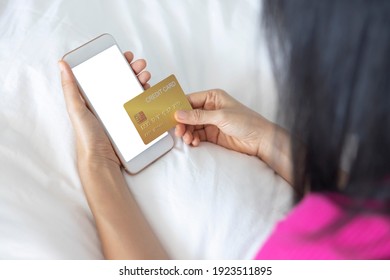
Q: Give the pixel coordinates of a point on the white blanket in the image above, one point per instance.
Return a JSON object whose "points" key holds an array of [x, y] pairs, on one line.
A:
{"points": [[203, 203]]}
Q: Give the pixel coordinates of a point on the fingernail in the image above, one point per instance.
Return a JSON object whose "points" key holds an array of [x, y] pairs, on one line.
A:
{"points": [[61, 65], [181, 115]]}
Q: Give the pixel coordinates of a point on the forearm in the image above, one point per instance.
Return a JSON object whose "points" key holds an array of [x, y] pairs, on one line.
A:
{"points": [[275, 151], [122, 228]]}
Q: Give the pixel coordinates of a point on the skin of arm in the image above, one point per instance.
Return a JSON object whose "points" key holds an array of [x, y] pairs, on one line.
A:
{"points": [[122, 228]]}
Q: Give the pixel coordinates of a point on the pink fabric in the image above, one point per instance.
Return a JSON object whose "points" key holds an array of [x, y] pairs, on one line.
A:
{"points": [[302, 235]]}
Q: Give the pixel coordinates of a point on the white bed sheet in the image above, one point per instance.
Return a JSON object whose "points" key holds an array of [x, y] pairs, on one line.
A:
{"points": [[205, 202]]}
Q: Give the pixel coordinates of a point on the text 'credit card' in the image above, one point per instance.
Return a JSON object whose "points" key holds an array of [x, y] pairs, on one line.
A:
{"points": [[152, 112]]}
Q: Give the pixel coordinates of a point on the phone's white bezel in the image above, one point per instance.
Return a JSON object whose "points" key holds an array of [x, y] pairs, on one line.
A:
{"points": [[89, 50]]}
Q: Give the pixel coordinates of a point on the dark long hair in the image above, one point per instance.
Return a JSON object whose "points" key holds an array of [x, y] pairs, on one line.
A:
{"points": [[332, 62]]}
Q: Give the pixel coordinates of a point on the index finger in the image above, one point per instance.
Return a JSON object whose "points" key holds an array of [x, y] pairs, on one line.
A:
{"points": [[129, 56]]}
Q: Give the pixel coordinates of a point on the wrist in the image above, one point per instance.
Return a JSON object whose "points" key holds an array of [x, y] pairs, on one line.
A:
{"points": [[96, 164], [97, 175], [265, 144], [275, 150]]}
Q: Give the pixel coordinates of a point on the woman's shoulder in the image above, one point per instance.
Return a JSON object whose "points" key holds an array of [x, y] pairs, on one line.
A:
{"points": [[325, 226]]}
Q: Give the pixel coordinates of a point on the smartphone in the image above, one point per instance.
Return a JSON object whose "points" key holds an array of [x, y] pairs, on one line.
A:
{"points": [[106, 82]]}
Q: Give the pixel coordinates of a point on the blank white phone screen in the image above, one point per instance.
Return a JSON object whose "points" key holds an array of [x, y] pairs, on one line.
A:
{"points": [[108, 82]]}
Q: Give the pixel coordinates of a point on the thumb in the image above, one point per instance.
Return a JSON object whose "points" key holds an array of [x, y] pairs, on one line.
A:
{"points": [[197, 117], [73, 99]]}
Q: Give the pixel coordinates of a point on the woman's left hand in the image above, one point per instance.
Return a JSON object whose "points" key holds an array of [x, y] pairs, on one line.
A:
{"points": [[93, 145]]}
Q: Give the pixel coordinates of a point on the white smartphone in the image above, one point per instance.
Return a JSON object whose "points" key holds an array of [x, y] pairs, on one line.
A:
{"points": [[106, 82]]}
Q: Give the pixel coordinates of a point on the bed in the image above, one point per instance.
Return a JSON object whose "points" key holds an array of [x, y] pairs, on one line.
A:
{"points": [[203, 203]]}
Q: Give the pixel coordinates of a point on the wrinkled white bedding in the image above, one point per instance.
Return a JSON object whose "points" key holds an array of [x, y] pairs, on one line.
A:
{"points": [[205, 202]]}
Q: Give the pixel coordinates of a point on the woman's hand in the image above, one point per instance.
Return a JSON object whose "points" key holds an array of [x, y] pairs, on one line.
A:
{"points": [[93, 144], [123, 230], [220, 119]]}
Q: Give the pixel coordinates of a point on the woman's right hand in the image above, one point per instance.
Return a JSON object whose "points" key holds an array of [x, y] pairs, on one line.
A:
{"points": [[220, 119]]}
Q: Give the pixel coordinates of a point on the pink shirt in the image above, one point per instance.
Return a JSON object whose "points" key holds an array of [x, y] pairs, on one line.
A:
{"points": [[302, 234]]}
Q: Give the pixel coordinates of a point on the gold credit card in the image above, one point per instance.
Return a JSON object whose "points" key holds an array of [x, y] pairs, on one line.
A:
{"points": [[152, 112]]}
